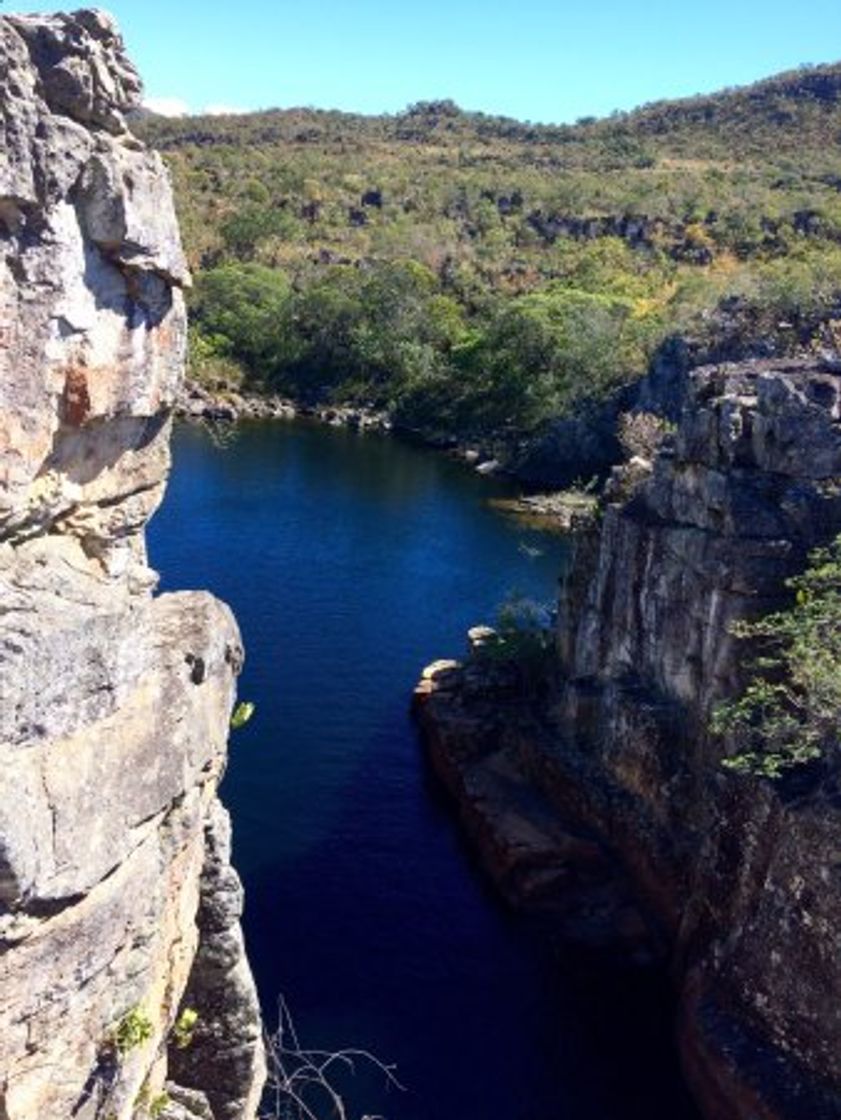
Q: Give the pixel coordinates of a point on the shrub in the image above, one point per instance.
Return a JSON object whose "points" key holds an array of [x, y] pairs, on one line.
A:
{"points": [[132, 1031], [641, 433], [524, 639], [184, 1028], [241, 715], [790, 711]]}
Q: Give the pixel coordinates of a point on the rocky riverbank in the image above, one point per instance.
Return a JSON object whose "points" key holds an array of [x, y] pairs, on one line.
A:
{"points": [[610, 762], [198, 402], [477, 719], [227, 405], [559, 511]]}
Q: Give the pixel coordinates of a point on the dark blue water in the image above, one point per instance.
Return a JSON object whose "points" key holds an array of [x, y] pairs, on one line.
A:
{"points": [[351, 561]]}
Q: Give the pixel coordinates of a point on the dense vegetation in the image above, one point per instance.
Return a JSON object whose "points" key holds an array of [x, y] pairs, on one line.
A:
{"points": [[476, 273], [789, 712]]}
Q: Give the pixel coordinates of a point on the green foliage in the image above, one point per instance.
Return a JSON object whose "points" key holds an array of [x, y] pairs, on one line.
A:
{"points": [[790, 711], [208, 360], [185, 1026], [522, 639], [158, 1104], [545, 350], [242, 714], [241, 312], [244, 229], [152, 1106], [476, 274], [132, 1031], [392, 336]]}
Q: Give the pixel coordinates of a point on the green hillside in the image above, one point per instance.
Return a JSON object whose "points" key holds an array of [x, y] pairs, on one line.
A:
{"points": [[477, 273]]}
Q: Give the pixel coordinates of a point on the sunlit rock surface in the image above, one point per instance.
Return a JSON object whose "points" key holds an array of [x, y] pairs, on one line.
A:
{"points": [[115, 704]]}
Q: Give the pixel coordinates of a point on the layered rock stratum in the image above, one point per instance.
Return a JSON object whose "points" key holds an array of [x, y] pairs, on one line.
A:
{"points": [[118, 905], [600, 793]]}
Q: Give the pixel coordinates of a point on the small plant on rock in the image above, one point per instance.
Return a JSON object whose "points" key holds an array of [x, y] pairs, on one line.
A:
{"points": [[133, 1030], [152, 1106], [158, 1105], [184, 1028], [242, 714], [641, 433], [522, 638]]}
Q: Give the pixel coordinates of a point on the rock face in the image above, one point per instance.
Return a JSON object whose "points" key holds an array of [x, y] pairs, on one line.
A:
{"points": [[115, 704], [736, 879]]}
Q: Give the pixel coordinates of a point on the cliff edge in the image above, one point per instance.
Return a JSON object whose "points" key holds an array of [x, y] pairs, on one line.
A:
{"points": [[118, 905], [600, 793]]}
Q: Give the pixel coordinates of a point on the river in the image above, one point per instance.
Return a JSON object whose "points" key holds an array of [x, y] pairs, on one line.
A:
{"points": [[351, 561]]}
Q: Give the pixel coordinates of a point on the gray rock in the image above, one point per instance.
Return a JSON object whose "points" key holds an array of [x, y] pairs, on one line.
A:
{"points": [[581, 444], [185, 1104], [115, 704], [735, 878], [225, 1059], [81, 66]]}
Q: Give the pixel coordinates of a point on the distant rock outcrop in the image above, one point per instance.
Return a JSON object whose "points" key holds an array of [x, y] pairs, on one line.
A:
{"points": [[619, 787], [115, 703]]}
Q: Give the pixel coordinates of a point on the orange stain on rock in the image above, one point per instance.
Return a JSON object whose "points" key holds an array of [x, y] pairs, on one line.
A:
{"points": [[75, 400]]}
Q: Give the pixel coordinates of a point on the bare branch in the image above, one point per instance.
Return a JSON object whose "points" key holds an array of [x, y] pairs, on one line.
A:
{"points": [[296, 1075]]}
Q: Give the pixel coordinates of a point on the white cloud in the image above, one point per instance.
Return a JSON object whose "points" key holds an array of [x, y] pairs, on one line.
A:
{"points": [[220, 110], [167, 106]]}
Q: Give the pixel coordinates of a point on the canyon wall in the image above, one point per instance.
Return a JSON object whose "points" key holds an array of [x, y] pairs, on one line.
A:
{"points": [[598, 792], [118, 905]]}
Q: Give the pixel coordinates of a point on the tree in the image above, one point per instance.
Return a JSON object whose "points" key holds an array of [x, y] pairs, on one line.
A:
{"points": [[242, 309], [245, 228], [543, 351]]}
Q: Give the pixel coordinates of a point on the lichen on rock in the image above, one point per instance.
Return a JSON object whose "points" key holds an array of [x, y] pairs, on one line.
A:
{"points": [[111, 744]]}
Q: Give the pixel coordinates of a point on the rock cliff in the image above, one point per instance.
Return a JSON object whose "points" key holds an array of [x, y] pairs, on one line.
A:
{"points": [[116, 894], [601, 793]]}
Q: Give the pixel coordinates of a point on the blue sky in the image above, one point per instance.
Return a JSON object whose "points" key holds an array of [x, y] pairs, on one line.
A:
{"points": [[533, 59]]}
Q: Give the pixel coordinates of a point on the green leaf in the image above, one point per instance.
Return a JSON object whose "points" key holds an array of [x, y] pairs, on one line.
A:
{"points": [[242, 714]]}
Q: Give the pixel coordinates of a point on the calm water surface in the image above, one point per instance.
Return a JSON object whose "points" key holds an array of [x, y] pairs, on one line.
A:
{"points": [[351, 561]]}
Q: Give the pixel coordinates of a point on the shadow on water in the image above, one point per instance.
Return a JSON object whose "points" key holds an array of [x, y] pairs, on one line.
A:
{"points": [[350, 562]]}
